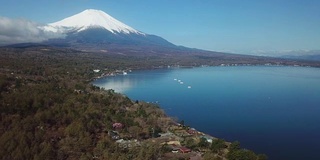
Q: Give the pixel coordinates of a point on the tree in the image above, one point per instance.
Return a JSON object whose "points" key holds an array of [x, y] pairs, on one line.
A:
{"points": [[182, 122], [236, 153], [190, 142], [74, 129], [234, 146], [262, 157], [134, 131], [148, 151], [211, 156], [203, 143], [46, 151], [242, 154], [217, 145]]}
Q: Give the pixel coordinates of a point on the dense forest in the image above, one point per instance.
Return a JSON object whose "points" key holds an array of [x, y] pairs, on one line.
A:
{"points": [[49, 110]]}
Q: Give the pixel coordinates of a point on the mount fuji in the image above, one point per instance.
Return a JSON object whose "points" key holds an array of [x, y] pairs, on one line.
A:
{"points": [[91, 18], [96, 30]]}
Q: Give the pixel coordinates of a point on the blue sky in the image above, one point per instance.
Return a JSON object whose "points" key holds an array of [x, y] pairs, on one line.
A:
{"points": [[238, 26]]}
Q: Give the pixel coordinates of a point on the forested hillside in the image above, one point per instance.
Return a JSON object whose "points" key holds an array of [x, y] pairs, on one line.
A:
{"points": [[49, 110]]}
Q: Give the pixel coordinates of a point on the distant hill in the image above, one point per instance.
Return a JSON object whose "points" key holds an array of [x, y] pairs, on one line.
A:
{"points": [[314, 57], [26, 45]]}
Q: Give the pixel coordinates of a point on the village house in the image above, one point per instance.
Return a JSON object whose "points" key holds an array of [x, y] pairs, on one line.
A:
{"points": [[117, 125], [184, 150]]}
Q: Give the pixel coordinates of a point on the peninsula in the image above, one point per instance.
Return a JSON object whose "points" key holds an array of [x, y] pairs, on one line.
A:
{"points": [[49, 110]]}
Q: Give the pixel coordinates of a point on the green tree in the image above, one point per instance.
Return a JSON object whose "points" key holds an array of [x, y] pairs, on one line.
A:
{"points": [[262, 157], [134, 131], [234, 146], [217, 145], [242, 154], [182, 122], [203, 143], [211, 156], [46, 151], [190, 142]]}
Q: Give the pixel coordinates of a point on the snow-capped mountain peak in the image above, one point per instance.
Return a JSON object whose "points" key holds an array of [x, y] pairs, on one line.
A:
{"points": [[90, 18]]}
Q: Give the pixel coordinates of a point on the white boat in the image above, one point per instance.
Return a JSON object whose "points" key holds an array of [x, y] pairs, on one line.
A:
{"points": [[189, 86]]}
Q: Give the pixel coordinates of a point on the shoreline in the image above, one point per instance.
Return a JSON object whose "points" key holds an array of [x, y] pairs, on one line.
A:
{"points": [[264, 66]]}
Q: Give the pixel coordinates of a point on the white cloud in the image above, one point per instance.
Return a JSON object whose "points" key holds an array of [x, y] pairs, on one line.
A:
{"points": [[21, 30]]}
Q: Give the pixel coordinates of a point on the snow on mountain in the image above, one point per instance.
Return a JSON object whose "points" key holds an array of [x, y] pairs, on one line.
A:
{"points": [[90, 18], [96, 29]]}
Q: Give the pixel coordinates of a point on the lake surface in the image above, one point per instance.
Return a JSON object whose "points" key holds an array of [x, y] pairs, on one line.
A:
{"points": [[271, 110]]}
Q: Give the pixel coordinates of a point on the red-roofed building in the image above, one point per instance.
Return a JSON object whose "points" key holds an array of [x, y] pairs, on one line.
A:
{"points": [[184, 150], [117, 125]]}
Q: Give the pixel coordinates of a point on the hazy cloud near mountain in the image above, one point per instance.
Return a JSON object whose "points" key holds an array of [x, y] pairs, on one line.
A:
{"points": [[21, 30]]}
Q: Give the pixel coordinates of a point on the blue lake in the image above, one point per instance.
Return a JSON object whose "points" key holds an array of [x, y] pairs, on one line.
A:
{"points": [[271, 110]]}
